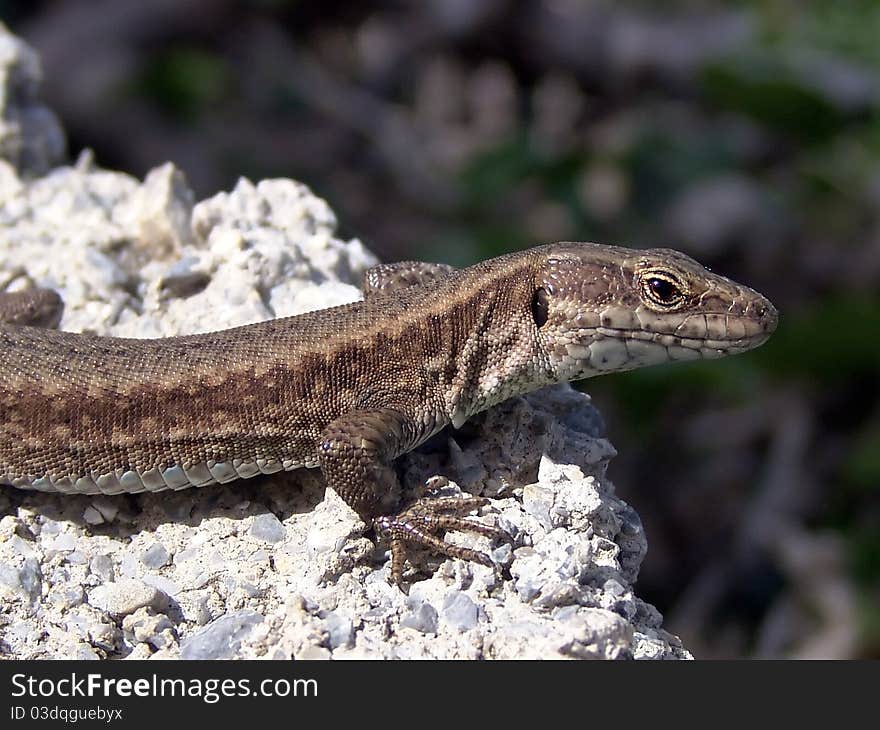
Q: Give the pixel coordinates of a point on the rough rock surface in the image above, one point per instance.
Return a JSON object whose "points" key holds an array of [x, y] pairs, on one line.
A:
{"points": [[276, 567]]}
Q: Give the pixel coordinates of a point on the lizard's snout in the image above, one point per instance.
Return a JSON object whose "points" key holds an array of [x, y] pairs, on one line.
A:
{"points": [[767, 314]]}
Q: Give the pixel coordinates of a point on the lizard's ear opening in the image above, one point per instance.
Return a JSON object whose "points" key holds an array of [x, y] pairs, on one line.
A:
{"points": [[540, 306]]}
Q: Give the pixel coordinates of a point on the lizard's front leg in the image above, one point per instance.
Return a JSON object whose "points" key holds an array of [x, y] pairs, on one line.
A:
{"points": [[356, 455], [33, 307]]}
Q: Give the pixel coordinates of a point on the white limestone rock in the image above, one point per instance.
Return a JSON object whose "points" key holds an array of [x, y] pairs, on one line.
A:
{"points": [[31, 138]]}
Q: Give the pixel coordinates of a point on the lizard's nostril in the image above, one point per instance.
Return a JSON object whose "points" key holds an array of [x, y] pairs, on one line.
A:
{"points": [[767, 314]]}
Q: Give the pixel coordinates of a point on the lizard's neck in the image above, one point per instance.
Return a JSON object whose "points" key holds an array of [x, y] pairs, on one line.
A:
{"points": [[496, 353]]}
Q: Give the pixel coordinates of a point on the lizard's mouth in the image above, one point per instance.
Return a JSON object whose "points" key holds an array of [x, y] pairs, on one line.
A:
{"points": [[707, 347], [722, 333], [609, 349]]}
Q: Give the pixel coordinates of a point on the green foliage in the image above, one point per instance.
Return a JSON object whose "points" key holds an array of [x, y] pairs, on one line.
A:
{"points": [[865, 558], [831, 341], [643, 395], [767, 90], [870, 623], [492, 173], [849, 27], [185, 82], [862, 467], [660, 164], [490, 182]]}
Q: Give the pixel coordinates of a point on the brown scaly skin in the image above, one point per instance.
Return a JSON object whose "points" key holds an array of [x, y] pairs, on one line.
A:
{"points": [[351, 388]]}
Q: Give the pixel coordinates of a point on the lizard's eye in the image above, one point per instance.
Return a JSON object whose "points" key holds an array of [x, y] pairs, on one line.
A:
{"points": [[540, 306], [662, 289]]}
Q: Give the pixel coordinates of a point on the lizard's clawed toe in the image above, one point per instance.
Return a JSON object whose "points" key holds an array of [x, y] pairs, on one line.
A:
{"points": [[420, 523]]}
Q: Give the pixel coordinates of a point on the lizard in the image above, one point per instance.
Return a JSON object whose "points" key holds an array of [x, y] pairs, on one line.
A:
{"points": [[350, 388]]}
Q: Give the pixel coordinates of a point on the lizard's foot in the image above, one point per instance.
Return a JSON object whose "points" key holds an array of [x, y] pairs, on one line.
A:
{"points": [[420, 522], [34, 306]]}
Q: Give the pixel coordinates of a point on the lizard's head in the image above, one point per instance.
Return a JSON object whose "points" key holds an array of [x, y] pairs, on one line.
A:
{"points": [[600, 309]]}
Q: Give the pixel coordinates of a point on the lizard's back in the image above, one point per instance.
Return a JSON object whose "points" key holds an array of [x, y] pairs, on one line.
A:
{"points": [[74, 405]]}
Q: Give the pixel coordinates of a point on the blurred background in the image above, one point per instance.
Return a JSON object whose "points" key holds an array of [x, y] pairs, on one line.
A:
{"points": [[746, 134]]}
